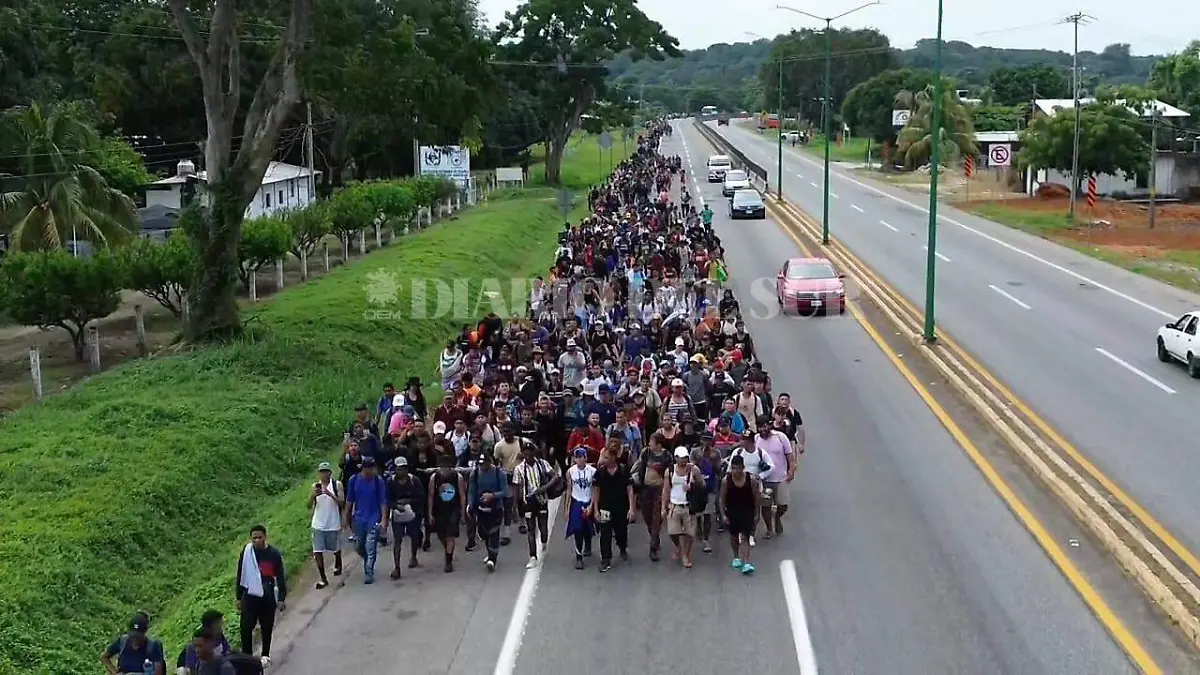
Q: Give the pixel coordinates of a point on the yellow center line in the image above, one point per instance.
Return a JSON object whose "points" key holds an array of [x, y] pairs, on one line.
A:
{"points": [[1127, 641]]}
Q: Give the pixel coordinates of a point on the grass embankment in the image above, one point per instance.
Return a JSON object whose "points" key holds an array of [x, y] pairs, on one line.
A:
{"points": [[584, 163], [853, 150], [136, 489]]}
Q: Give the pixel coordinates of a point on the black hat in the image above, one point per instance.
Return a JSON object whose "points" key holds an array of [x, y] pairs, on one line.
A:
{"points": [[140, 623], [414, 381], [368, 461]]}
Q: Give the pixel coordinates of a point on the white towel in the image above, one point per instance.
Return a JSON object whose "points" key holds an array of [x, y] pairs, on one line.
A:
{"points": [[251, 577]]}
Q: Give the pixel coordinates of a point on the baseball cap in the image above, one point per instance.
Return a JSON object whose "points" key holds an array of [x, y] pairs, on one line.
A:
{"points": [[360, 406], [400, 461], [439, 427], [581, 451], [140, 623], [677, 382], [398, 401], [679, 342], [682, 453], [324, 466], [368, 461]]}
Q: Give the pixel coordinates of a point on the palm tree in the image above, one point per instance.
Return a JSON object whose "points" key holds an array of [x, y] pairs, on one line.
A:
{"points": [[915, 142], [59, 194]]}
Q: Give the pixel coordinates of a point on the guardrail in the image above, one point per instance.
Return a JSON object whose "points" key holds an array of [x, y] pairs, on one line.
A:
{"points": [[758, 173]]}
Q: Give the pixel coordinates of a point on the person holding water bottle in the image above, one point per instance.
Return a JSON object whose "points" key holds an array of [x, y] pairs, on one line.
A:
{"points": [[135, 652]]}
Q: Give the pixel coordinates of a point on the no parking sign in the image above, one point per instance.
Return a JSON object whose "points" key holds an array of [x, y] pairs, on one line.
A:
{"points": [[1000, 154]]}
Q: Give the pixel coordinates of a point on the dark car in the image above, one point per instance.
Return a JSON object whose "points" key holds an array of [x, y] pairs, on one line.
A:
{"points": [[747, 204], [723, 121]]}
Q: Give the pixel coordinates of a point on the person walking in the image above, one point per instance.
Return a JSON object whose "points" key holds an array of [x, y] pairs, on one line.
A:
{"points": [[406, 501], [649, 474], [740, 499], [580, 515], [534, 479], [326, 502], [676, 501], [447, 504], [260, 592], [488, 495], [613, 504], [367, 514]]}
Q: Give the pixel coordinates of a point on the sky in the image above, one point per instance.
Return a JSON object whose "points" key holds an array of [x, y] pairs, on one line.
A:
{"points": [[1027, 24]]}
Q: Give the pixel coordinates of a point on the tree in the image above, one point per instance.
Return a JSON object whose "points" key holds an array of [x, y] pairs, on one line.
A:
{"points": [[58, 194], [263, 241], [234, 178], [858, 55], [161, 271], [121, 166], [956, 136], [997, 117], [349, 211], [561, 46], [1176, 78], [1015, 86], [308, 227], [54, 289], [1111, 141], [868, 107]]}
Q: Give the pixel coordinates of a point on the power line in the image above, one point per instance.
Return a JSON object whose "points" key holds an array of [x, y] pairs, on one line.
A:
{"points": [[1076, 19]]}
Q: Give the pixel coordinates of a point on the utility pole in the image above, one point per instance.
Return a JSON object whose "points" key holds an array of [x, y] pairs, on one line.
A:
{"points": [[826, 114], [1153, 163], [416, 150], [1076, 19], [929, 333], [779, 138], [308, 153]]}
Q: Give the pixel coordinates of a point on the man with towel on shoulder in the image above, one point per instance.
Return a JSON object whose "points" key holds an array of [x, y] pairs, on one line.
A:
{"points": [[261, 589]]}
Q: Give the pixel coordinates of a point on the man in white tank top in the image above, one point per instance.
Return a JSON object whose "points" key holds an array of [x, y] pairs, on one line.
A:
{"points": [[325, 501], [681, 523]]}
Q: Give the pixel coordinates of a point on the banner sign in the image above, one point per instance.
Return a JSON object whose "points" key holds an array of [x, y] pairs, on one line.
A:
{"points": [[452, 162]]}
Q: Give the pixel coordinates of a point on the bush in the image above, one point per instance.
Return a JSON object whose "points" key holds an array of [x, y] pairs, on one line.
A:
{"points": [[264, 240], [161, 271], [308, 227], [55, 289]]}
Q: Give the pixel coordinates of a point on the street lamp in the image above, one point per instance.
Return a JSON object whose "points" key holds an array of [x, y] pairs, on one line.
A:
{"points": [[825, 103], [779, 112], [930, 334]]}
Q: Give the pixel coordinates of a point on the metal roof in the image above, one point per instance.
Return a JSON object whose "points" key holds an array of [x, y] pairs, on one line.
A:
{"points": [[1050, 105]]}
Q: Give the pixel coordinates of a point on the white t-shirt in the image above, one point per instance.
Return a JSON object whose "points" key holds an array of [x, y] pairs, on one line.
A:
{"points": [[752, 459], [581, 482], [326, 515]]}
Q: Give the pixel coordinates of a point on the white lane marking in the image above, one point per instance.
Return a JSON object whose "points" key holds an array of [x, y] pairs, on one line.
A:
{"points": [[805, 655], [939, 255], [856, 207], [1008, 295], [888, 225], [511, 649], [813, 184], [799, 176], [1117, 360], [833, 194], [1032, 256]]}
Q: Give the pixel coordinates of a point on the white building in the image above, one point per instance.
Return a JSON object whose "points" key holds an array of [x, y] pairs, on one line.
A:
{"points": [[1174, 172], [284, 186]]}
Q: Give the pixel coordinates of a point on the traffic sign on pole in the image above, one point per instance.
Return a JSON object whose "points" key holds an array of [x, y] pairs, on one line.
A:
{"points": [[1000, 154], [606, 140]]}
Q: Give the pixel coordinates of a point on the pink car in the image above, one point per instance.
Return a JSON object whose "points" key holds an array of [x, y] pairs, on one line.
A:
{"points": [[810, 286]]}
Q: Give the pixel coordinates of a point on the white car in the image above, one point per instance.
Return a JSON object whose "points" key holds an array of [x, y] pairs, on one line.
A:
{"points": [[717, 166], [1177, 340], [735, 179]]}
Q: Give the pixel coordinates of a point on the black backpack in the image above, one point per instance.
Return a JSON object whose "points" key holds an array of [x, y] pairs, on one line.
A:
{"points": [[697, 493]]}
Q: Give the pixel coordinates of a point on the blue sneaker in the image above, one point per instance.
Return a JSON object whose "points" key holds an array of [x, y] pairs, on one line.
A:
{"points": [[736, 564], [747, 569]]}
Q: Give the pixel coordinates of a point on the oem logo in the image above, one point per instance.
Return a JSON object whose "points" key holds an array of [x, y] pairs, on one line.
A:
{"points": [[381, 288]]}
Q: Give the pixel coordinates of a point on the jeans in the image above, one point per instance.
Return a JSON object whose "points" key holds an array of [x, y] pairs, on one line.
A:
{"points": [[366, 542]]}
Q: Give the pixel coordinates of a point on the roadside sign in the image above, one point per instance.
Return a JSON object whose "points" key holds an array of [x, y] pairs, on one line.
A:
{"points": [[900, 117], [566, 201], [1091, 191], [969, 166], [1000, 154], [606, 140]]}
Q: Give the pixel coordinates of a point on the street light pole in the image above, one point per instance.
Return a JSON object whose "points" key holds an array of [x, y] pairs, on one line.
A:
{"points": [[779, 138], [826, 113], [930, 333]]}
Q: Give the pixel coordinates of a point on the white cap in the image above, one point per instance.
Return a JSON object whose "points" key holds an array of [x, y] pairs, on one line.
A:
{"points": [[439, 427], [677, 382], [681, 452], [679, 342], [398, 401]]}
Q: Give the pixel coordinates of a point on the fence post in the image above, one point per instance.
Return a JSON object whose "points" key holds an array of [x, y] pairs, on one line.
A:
{"points": [[362, 242], [378, 235], [253, 286], [345, 248], [93, 344], [35, 370], [392, 235], [326, 245], [279, 274], [457, 201], [139, 324], [303, 265]]}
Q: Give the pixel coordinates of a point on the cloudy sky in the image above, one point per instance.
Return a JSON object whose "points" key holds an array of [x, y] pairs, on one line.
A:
{"points": [[1012, 23]]}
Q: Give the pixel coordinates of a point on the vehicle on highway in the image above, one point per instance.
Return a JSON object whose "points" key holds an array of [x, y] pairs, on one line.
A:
{"points": [[810, 285], [1177, 341], [735, 179], [717, 166], [747, 204], [723, 120]]}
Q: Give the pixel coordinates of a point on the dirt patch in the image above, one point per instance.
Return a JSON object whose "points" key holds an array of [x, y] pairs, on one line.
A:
{"points": [[1119, 224]]}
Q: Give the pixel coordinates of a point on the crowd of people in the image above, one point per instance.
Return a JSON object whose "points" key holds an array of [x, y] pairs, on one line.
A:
{"points": [[630, 391]]}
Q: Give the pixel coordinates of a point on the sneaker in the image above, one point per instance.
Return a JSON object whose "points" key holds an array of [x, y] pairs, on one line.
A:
{"points": [[747, 569], [491, 565], [706, 547], [533, 561], [471, 545], [523, 529], [395, 573], [587, 552], [266, 661], [751, 541], [337, 571], [578, 562], [654, 554], [320, 584], [605, 565], [736, 564], [449, 567], [369, 579]]}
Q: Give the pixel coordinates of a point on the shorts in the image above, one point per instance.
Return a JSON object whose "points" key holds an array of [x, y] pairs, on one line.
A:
{"points": [[411, 529], [782, 492], [447, 525], [741, 524], [680, 521], [326, 541]]}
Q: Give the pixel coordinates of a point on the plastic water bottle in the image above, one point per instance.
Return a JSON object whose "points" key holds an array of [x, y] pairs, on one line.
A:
{"points": [[147, 667]]}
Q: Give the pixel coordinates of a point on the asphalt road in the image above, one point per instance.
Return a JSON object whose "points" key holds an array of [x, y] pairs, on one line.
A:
{"points": [[1072, 336], [906, 561]]}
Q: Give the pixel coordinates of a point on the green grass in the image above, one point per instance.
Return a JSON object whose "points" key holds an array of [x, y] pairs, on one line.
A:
{"points": [[1041, 223], [584, 163], [135, 490]]}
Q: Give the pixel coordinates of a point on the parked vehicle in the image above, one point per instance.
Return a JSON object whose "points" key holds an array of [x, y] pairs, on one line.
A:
{"points": [[1177, 341]]}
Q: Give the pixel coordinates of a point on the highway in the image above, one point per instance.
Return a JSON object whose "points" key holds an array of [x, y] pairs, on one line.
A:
{"points": [[905, 560], [1070, 335]]}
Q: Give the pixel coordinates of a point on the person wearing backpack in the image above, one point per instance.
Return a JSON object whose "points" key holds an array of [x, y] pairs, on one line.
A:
{"points": [[536, 482], [134, 651], [683, 496], [756, 462], [487, 495]]}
